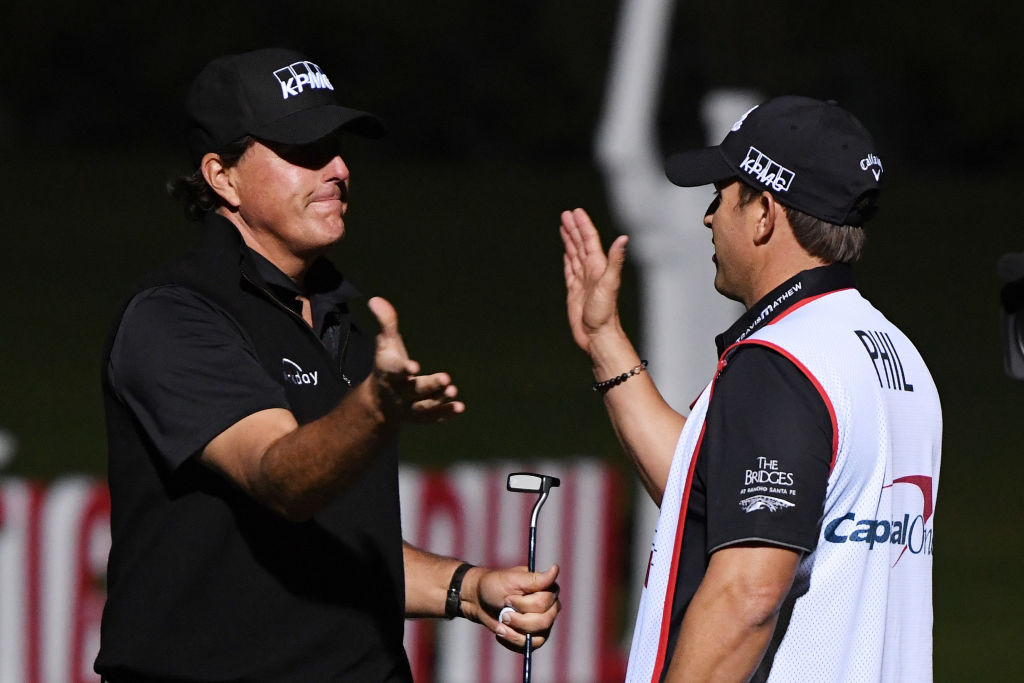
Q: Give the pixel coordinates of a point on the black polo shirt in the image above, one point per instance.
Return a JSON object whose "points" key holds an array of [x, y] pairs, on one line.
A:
{"points": [[766, 425], [212, 365], [205, 583]]}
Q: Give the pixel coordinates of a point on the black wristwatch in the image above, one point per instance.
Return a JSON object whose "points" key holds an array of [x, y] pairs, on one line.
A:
{"points": [[453, 603]]}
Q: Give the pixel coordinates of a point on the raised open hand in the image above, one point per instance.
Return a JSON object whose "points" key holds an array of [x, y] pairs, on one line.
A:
{"points": [[592, 279]]}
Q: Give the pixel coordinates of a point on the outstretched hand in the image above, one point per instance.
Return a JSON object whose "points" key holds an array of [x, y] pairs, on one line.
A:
{"points": [[592, 279], [533, 597], [401, 389]]}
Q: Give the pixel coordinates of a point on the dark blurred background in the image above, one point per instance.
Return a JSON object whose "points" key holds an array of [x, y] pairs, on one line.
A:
{"points": [[492, 108]]}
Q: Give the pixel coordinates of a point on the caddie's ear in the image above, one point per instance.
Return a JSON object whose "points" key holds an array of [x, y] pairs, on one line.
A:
{"points": [[768, 213], [219, 177]]}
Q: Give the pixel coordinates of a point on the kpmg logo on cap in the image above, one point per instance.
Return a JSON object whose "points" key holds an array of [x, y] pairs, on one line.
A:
{"points": [[766, 171], [300, 75]]}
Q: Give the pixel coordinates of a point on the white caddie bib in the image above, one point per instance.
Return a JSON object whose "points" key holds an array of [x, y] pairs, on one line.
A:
{"points": [[861, 604]]}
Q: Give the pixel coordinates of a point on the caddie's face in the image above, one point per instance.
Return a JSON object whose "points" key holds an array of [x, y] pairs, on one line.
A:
{"points": [[293, 197], [728, 221]]}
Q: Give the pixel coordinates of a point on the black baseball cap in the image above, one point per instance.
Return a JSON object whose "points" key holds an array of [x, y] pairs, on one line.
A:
{"points": [[812, 155], [273, 94]]}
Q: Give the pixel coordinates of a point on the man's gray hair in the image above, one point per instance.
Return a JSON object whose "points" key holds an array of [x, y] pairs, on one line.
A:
{"points": [[827, 241]]}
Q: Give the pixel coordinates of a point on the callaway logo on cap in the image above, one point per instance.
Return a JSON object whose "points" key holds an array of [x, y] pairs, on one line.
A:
{"points": [[273, 94], [813, 156]]}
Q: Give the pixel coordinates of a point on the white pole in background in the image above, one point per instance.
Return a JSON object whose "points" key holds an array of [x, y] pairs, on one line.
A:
{"points": [[680, 310]]}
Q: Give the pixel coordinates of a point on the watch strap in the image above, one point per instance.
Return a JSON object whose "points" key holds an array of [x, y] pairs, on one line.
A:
{"points": [[453, 603]]}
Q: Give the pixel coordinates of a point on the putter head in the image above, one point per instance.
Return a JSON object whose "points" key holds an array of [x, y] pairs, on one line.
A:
{"points": [[528, 482]]}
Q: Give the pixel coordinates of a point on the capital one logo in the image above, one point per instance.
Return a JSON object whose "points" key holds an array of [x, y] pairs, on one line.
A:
{"points": [[296, 77], [910, 532]]}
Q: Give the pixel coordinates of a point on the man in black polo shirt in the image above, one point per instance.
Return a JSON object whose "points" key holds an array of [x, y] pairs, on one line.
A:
{"points": [[252, 424], [797, 498]]}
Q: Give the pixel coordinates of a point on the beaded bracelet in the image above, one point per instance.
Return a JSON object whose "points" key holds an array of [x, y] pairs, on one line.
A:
{"points": [[616, 381]]}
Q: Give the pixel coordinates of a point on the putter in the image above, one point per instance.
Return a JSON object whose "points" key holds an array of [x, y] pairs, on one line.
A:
{"points": [[527, 482]]}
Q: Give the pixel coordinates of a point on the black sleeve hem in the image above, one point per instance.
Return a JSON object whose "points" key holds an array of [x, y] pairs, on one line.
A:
{"points": [[213, 429], [757, 541]]}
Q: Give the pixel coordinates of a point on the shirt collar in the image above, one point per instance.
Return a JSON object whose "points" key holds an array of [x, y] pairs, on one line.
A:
{"points": [[324, 284], [802, 286]]}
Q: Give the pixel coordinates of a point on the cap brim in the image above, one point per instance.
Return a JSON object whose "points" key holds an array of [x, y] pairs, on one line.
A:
{"points": [[698, 167], [310, 125]]}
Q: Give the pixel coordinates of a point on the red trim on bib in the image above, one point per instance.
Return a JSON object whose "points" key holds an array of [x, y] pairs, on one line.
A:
{"points": [[666, 615], [803, 303], [670, 593], [813, 380]]}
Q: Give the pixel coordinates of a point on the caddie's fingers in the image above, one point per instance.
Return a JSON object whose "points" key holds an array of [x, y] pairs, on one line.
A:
{"points": [[587, 231], [617, 252], [567, 270], [568, 242], [617, 257], [568, 220], [572, 234], [570, 258], [573, 266]]}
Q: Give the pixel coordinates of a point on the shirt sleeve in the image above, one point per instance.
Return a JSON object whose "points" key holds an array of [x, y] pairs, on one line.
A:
{"points": [[769, 452], [186, 370]]}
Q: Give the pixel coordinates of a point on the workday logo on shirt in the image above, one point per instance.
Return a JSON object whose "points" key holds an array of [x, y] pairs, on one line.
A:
{"points": [[294, 374], [296, 77]]}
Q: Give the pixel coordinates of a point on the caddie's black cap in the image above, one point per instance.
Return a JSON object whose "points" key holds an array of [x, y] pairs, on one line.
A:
{"points": [[273, 94], [813, 156]]}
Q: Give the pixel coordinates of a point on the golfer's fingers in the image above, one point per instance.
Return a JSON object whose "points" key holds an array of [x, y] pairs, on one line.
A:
{"points": [[515, 641], [425, 385], [527, 583], [520, 645], [517, 624], [534, 603]]}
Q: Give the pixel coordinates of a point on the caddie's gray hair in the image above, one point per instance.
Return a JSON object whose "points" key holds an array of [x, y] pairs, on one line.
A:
{"points": [[827, 241]]}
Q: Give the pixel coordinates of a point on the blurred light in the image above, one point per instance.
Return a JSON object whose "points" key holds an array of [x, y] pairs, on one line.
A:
{"points": [[8, 446]]}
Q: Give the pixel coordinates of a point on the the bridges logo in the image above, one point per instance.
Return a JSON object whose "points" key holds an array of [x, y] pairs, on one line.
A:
{"points": [[764, 503], [294, 78], [913, 533]]}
